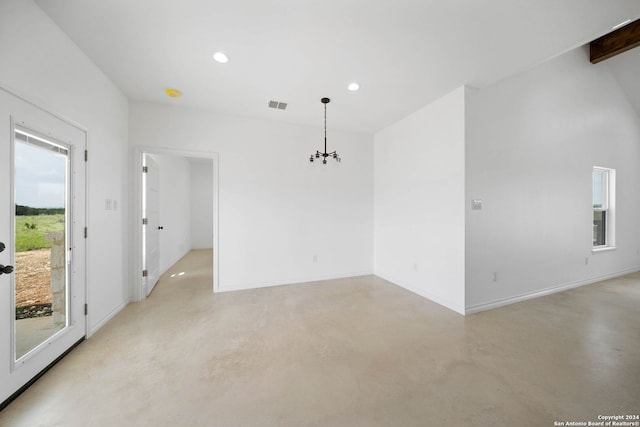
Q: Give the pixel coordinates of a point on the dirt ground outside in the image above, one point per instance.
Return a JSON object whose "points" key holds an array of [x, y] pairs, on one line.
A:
{"points": [[33, 277]]}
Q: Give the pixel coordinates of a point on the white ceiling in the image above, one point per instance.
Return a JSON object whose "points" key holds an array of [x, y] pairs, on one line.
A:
{"points": [[404, 53]]}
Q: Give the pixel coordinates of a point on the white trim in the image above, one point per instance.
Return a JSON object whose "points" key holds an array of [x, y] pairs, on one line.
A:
{"points": [[216, 224], [87, 246], [428, 295], [12, 241], [547, 291], [105, 319], [43, 106], [608, 207], [138, 282], [136, 291], [603, 249], [291, 281], [34, 116]]}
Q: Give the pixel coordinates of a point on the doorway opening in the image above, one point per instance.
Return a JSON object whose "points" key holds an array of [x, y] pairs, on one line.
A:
{"points": [[177, 201]]}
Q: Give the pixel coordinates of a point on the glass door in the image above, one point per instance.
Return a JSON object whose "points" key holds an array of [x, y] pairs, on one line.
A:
{"points": [[41, 189], [42, 240]]}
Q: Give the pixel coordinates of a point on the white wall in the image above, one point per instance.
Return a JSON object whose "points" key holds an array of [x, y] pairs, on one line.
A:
{"points": [[201, 204], [175, 208], [532, 141], [42, 64], [419, 201], [276, 210]]}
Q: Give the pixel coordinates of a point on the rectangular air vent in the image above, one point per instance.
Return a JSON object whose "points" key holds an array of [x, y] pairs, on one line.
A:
{"points": [[278, 105]]}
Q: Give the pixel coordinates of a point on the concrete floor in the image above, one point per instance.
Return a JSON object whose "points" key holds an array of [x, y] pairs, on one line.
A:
{"points": [[349, 352]]}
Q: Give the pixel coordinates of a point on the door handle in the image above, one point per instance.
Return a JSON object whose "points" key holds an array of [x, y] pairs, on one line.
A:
{"points": [[5, 269]]}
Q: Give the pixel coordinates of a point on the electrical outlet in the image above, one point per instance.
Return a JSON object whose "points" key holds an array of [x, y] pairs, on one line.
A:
{"points": [[586, 260], [495, 276], [416, 267]]}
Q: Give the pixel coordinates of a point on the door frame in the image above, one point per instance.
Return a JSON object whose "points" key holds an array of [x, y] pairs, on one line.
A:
{"points": [[138, 282], [85, 145], [151, 228], [87, 194]]}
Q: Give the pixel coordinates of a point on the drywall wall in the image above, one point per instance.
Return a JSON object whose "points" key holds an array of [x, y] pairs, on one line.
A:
{"points": [[625, 68], [419, 201], [282, 219], [532, 141], [174, 208], [42, 64], [201, 204]]}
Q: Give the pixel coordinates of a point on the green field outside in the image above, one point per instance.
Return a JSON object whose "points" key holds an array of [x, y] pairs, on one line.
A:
{"points": [[30, 230]]}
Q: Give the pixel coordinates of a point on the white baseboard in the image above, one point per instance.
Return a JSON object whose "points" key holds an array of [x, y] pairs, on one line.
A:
{"points": [[547, 291], [425, 294], [92, 330], [255, 285]]}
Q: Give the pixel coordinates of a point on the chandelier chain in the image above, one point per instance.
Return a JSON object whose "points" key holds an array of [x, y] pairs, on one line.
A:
{"points": [[325, 128]]}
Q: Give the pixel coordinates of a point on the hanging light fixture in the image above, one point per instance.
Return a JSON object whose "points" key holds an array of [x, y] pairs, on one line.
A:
{"points": [[324, 155]]}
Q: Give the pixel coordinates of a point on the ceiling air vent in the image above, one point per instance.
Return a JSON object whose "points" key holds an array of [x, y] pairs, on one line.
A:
{"points": [[278, 105]]}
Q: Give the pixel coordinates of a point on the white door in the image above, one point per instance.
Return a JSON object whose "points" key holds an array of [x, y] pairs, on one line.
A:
{"points": [[151, 225], [42, 224]]}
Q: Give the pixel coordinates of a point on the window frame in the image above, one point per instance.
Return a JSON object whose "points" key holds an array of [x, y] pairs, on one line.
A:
{"points": [[608, 207]]}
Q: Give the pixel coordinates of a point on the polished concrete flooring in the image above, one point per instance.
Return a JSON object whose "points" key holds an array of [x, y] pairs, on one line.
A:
{"points": [[349, 352]]}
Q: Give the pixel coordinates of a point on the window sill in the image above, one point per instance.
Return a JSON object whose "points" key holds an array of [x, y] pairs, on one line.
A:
{"points": [[603, 249]]}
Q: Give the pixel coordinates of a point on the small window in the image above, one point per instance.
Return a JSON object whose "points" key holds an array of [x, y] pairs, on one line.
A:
{"points": [[603, 212]]}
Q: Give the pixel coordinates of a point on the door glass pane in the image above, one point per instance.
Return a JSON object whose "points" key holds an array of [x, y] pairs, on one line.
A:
{"points": [[41, 279]]}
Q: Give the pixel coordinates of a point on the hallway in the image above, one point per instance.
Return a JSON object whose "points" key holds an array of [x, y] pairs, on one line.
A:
{"points": [[347, 352]]}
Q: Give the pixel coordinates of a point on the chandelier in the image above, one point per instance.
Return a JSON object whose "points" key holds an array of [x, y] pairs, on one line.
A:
{"points": [[324, 155]]}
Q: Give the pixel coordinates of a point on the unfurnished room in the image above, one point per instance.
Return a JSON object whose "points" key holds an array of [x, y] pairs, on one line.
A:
{"points": [[303, 213]]}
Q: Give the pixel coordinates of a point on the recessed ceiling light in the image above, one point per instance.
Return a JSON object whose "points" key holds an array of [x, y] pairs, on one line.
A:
{"points": [[353, 87], [221, 57], [622, 24], [173, 93]]}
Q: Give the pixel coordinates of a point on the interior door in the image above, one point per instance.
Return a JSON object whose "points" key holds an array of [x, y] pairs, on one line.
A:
{"points": [[151, 223], [42, 206]]}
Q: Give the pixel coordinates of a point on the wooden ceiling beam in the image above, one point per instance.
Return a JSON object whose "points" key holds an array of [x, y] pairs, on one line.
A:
{"points": [[615, 42]]}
